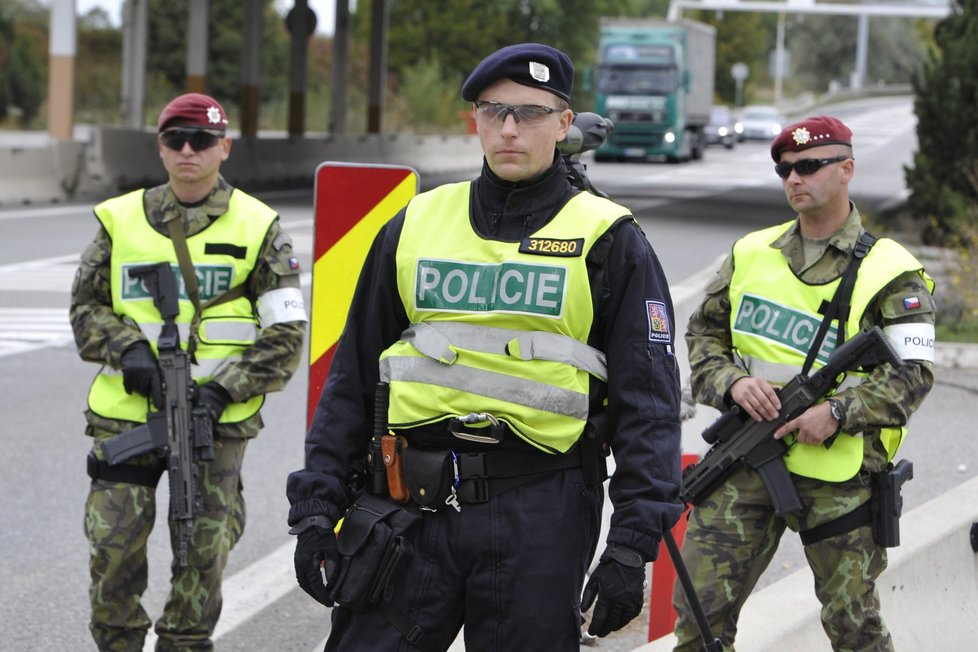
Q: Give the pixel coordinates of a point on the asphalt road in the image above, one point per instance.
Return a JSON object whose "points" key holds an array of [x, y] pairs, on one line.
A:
{"points": [[691, 213]]}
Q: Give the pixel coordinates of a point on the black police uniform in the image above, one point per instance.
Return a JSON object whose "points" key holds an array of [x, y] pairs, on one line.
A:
{"points": [[503, 565]]}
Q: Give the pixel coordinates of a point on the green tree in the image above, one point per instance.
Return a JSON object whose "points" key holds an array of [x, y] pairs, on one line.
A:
{"points": [[943, 179], [98, 70], [460, 34], [167, 53], [6, 40], [823, 50], [23, 60], [741, 38]]}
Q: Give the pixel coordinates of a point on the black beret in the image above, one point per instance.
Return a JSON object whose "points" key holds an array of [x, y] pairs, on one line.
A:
{"points": [[812, 132], [530, 64]]}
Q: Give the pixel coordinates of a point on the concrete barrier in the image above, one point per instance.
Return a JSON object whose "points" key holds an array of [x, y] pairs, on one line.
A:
{"points": [[114, 159], [40, 174], [928, 593]]}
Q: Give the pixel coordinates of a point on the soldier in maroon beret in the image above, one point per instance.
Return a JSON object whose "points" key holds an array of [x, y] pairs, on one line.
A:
{"points": [[782, 302], [241, 321]]}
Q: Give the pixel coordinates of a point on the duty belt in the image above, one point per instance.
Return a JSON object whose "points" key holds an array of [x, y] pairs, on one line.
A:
{"points": [[484, 475]]}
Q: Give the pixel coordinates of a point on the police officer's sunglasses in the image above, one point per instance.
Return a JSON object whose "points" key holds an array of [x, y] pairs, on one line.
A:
{"points": [[199, 139], [806, 166], [526, 114]]}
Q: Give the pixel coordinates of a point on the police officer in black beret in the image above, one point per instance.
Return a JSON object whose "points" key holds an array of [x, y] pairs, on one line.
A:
{"points": [[523, 329]]}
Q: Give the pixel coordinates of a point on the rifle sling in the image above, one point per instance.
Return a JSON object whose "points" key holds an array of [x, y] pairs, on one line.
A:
{"points": [[862, 515], [840, 304], [179, 238]]}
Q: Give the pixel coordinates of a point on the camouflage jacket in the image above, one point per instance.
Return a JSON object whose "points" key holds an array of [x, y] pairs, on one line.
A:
{"points": [[101, 335], [887, 398]]}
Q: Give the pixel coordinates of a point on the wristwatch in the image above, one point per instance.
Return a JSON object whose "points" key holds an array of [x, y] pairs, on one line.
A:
{"points": [[835, 407]]}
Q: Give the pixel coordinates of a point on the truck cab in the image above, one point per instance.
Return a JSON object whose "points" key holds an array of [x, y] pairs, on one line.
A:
{"points": [[655, 88]]}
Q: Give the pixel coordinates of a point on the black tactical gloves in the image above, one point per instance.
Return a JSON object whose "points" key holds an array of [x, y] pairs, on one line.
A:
{"points": [[317, 561], [141, 372], [619, 585], [213, 397]]}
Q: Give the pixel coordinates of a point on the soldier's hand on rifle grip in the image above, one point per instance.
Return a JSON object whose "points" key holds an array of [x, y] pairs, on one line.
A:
{"points": [[813, 426], [141, 373], [757, 397], [317, 563], [214, 397]]}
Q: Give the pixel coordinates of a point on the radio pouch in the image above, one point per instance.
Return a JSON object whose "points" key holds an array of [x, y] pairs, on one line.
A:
{"points": [[431, 476], [373, 549]]}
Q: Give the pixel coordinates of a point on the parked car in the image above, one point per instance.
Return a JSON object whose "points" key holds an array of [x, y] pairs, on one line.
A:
{"points": [[722, 128], [761, 122]]}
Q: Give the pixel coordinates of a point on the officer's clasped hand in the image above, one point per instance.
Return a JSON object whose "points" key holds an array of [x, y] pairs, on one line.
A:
{"points": [[213, 397], [317, 563], [618, 583], [141, 372]]}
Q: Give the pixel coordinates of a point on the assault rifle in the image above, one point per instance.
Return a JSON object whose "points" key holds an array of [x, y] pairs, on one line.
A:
{"points": [[184, 432], [738, 439]]}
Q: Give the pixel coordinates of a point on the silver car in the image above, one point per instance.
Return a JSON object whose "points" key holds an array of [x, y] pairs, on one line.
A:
{"points": [[722, 129], [761, 122]]}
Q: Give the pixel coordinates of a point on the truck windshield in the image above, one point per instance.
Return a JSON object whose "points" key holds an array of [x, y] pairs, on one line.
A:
{"points": [[635, 80]]}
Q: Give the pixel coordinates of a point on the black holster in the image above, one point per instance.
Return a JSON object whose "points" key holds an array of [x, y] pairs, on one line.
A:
{"points": [[887, 502]]}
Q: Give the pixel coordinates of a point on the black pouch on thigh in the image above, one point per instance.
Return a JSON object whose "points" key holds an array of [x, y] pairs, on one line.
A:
{"points": [[373, 549], [430, 476]]}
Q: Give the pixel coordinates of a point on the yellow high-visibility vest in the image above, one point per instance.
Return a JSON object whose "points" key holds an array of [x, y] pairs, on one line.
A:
{"points": [[497, 327]]}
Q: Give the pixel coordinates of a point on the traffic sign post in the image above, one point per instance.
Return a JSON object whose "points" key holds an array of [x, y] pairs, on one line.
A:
{"points": [[351, 202], [739, 72]]}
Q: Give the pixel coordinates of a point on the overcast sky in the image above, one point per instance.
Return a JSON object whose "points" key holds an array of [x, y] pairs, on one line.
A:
{"points": [[325, 10]]}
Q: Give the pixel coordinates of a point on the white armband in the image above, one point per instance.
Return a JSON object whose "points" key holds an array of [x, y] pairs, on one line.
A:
{"points": [[912, 341], [281, 305]]}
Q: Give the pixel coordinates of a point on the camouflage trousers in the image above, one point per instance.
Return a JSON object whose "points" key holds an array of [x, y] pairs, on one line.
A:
{"points": [[118, 520], [732, 536]]}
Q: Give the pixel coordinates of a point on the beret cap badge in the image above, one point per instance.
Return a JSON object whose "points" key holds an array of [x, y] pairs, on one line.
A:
{"points": [[801, 135], [539, 72]]}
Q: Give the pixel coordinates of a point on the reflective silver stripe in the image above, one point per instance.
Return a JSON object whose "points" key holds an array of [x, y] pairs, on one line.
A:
{"points": [[773, 372], [436, 339], [478, 382], [152, 330], [212, 330], [779, 374], [431, 342], [206, 368], [540, 345]]}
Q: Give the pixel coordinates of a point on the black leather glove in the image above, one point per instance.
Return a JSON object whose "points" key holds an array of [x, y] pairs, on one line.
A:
{"points": [[317, 562], [619, 585], [141, 372], [213, 397]]}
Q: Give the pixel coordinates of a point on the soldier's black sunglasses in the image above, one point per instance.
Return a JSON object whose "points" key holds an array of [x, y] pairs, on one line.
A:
{"points": [[806, 166], [199, 139]]}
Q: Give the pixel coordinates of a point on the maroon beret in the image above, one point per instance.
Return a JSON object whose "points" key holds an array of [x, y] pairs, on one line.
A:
{"points": [[530, 64], [193, 110], [812, 132]]}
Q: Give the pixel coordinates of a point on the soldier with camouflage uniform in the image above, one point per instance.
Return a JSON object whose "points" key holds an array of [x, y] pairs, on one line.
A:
{"points": [[243, 348], [753, 332]]}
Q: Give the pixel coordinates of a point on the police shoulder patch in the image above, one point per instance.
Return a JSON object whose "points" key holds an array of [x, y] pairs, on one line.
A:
{"points": [[552, 247], [658, 316]]}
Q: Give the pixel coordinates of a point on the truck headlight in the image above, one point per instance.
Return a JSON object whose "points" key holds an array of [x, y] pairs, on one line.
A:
{"points": [[669, 137]]}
